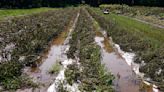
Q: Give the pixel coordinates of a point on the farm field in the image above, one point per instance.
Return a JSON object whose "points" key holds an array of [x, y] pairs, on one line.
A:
{"points": [[79, 49], [142, 39]]}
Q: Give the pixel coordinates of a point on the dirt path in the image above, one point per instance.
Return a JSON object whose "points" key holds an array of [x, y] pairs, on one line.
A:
{"points": [[152, 24]]}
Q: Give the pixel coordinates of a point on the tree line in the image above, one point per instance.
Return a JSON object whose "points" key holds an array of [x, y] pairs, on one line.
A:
{"points": [[62, 3]]}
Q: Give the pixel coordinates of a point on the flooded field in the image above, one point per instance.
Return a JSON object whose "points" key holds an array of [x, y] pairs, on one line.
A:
{"points": [[78, 50], [60, 78], [125, 78], [55, 54]]}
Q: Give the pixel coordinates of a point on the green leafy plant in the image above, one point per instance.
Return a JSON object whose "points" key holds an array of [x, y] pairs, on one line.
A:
{"points": [[55, 68]]}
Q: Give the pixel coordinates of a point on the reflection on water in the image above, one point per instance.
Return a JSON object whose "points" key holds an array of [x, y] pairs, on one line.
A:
{"points": [[126, 80]]}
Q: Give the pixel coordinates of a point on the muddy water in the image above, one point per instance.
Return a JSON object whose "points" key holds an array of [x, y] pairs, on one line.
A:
{"points": [[126, 80], [55, 53], [41, 73], [60, 78]]}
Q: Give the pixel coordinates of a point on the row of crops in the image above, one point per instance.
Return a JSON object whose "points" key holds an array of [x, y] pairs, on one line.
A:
{"points": [[146, 44], [90, 74], [23, 39]]}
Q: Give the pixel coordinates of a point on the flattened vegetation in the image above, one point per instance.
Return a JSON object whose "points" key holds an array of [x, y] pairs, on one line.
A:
{"points": [[24, 39], [91, 73], [133, 36]]}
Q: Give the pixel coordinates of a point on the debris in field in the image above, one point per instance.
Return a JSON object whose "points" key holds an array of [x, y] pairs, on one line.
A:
{"points": [[9, 47], [106, 11]]}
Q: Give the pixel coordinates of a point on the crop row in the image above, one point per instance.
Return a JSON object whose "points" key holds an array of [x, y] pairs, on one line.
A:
{"points": [[90, 74], [149, 51], [23, 39]]}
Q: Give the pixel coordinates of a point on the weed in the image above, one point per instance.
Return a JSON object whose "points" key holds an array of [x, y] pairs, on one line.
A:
{"points": [[72, 74], [55, 68]]}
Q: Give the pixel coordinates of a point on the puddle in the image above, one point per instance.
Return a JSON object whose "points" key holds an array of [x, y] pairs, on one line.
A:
{"points": [[126, 80]]}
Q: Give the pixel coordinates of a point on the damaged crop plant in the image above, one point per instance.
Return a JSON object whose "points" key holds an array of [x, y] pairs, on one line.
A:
{"points": [[145, 41], [23, 40], [90, 74]]}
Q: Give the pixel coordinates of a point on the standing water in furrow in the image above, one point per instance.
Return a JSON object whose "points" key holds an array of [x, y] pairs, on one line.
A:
{"points": [[125, 78], [51, 59], [65, 62]]}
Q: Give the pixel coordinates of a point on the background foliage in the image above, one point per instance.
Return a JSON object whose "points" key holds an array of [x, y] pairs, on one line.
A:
{"points": [[59, 3]]}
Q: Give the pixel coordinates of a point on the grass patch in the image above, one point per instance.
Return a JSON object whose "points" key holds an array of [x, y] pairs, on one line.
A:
{"points": [[17, 12], [55, 68], [132, 25], [153, 15]]}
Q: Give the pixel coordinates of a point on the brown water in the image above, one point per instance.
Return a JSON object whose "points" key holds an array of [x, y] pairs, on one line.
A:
{"points": [[54, 53], [126, 80], [41, 72]]}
